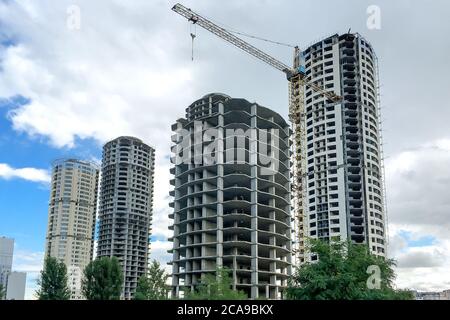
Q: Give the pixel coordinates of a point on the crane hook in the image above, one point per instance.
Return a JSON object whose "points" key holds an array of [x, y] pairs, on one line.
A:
{"points": [[193, 35], [192, 53]]}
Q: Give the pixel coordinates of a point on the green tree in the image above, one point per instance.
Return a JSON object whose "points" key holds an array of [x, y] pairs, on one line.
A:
{"points": [[103, 279], [53, 281], [152, 286], [2, 292], [216, 286], [345, 271]]}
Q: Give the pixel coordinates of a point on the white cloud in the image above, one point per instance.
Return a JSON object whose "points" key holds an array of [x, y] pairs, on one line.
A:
{"points": [[424, 268], [418, 203], [159, 252], [161, 207], [417, 189], [112, 77], [30, 174], [31, 263], [28, 261]]}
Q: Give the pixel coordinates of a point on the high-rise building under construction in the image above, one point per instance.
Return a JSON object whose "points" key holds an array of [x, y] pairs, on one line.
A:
{"points": [[231, 196], [126, 207], [344, 187]]}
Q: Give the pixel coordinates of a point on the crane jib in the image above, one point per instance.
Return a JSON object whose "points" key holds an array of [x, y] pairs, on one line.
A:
{"points": [[291, 73]]}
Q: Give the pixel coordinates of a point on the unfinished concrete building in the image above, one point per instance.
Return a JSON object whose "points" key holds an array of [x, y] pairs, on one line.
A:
{"points": [[126, 207], [231, 211]]}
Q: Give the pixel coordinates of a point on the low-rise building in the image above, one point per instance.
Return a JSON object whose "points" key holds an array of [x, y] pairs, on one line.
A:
{"points": [[15, 289]]}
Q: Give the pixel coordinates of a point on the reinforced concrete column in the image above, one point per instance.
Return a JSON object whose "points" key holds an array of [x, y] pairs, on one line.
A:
{"points": [[253, 150], [220, 173]]}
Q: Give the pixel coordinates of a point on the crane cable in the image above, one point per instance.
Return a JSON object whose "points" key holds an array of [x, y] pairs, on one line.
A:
{"points": [[262, 39], [227, 28]]}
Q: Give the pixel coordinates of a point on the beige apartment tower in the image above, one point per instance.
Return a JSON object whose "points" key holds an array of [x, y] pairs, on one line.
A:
{"points": [[71, 217]]}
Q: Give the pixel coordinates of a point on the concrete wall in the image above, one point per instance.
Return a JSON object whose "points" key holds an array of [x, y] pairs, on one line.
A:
{"points": [[16, 286]]}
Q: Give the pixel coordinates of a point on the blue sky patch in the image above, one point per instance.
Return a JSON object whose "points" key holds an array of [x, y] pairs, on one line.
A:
{"points": [[154, 238], [423, 241]]}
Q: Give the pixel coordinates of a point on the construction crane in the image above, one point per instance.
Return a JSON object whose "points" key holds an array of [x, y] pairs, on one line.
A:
{"points": [[297, 83]]}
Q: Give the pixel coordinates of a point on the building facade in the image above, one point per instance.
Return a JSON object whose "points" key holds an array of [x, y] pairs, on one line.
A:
{"points": [[15, 289], [71, 217], [436, 295], [125, 207], [446, 294], [231, 205], [6, 259], [344, 160]]}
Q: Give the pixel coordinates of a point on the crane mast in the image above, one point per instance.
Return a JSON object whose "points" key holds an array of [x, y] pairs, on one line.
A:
{"points": [[297, 115]]}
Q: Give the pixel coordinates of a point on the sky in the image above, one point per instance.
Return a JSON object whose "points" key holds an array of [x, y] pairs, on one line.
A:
{"points": [[75, 74]]}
